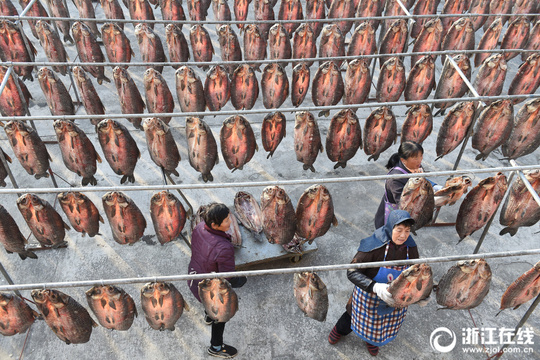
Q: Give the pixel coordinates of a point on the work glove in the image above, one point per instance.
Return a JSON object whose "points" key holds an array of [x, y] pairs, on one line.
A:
{"points": [[382, 292], [423, 302]]}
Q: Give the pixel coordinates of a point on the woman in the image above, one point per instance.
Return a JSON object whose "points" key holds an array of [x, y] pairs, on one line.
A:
{"points": [[369, 312], [407, 160], [212, 251]]}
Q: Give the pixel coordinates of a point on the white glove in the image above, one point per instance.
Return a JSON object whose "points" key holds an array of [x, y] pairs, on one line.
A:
{"points": [[437, 188], [382, 292], [423, 302]]}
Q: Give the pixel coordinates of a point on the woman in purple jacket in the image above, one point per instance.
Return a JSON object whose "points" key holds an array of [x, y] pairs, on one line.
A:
{"points": [[212, 251]]}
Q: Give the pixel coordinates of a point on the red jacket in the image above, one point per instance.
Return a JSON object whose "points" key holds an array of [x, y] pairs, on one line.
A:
{"points": [[211, 251]]}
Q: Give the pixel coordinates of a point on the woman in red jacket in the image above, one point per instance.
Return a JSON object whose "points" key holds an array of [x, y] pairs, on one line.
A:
{"points": [[212, 251]]}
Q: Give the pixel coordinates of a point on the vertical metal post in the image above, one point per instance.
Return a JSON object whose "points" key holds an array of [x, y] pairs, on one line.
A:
{"points": [[488, 225], [70, 73], [50, 12], [19, 24], [466, 140], [8, 170], [21, 95], [8, 279], [475, 94], [527, 183], [521, 323]]}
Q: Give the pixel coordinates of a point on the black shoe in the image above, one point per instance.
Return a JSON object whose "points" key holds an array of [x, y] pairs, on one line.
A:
{"points": [[208, 320], [226, 352]]}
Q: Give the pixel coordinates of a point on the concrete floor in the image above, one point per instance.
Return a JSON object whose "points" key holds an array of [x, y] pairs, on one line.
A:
{"points": [[269, 325]]}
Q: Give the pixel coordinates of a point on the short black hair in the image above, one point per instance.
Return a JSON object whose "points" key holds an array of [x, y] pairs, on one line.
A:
{"points": [[215, 214], [409, 223], [406, 150]]}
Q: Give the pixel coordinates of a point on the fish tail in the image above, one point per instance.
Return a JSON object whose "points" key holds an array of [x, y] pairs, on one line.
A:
{"points": [[67, 37], [508, 230], [481, 157], [29, 254]]}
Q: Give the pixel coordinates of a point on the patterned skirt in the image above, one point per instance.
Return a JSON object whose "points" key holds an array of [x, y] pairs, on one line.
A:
{"points": [[368, 324]]}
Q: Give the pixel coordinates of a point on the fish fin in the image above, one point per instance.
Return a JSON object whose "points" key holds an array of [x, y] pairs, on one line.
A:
{"points": [[500, 311], [186, 306], [98, 158], [94, 324], [66, 226], [335, 221]]}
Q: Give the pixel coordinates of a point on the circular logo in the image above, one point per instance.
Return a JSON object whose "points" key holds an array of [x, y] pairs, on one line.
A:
{"points": [[434, 340], [390, 277]]}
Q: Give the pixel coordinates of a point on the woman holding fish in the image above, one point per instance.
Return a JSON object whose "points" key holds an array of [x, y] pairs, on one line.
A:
{"points": [[370, 312], [212, 251], [408, 160]]}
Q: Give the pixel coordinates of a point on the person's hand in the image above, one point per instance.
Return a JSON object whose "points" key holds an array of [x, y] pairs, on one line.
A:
{"points": [[382, 292], [423, 302]]}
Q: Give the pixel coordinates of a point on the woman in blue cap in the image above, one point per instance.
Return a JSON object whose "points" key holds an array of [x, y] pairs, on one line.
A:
{"points": [[369, 312]]}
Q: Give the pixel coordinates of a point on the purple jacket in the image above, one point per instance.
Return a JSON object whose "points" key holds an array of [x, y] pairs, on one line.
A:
{"points": [[211, 251]]}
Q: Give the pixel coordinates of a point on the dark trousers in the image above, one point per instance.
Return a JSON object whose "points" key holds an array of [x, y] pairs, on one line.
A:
{"points": [[217, 333], [343, 325]]}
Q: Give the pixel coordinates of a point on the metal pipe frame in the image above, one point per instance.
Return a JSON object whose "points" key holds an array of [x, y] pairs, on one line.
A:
{"points": [[527, 183], [207, 186], [520, 325], [338, 267], [247, 22], [266, 111], [490, 221], [261, 62], [476, 113]]}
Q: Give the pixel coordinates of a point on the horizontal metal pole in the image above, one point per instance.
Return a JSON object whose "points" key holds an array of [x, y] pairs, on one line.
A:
{"points": [[207, 186], [247, 22], [265, 61], [140, 280], [266, 111], [527, 183]]}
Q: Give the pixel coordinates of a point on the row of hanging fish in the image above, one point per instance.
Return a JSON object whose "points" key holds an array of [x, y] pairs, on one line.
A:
{"points": [[495, 127], [519, 210], [463, 287], [172, 10], [114, 309], [241, 86], [308, 32], [275, 217]]}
